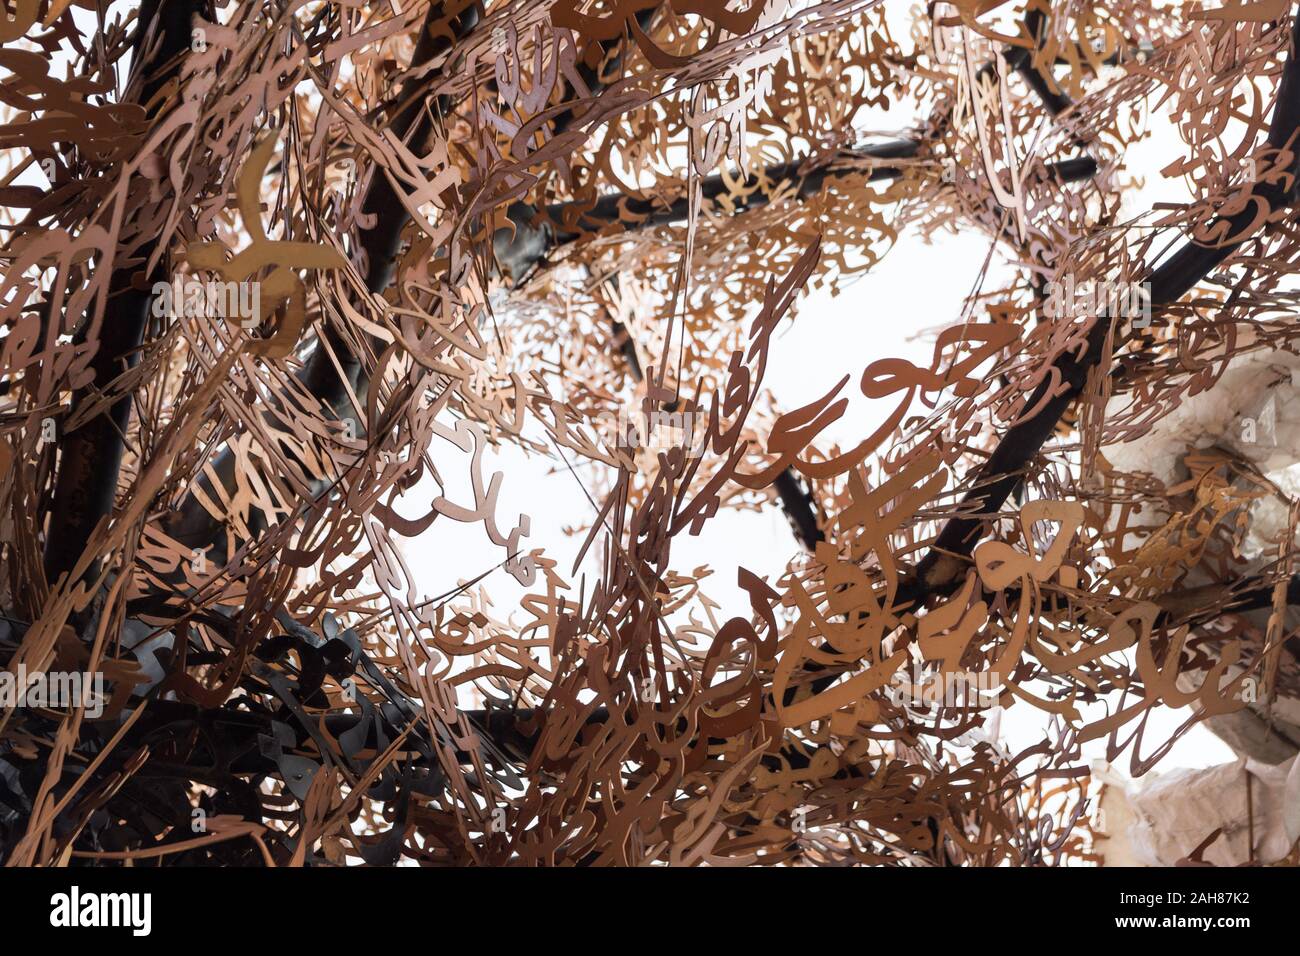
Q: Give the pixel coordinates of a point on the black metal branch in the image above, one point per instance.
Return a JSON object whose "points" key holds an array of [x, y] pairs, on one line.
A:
{"points": [[942, 567], [1021, 59], [1249, 594], [90, 457], [191, 524], [645, 213], [535, 236], [800, 508], [382, 241]]}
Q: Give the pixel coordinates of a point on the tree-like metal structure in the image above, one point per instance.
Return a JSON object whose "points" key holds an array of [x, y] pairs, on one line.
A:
{"points": [[272, 268]]}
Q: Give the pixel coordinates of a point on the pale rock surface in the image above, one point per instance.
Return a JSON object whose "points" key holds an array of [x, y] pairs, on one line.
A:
{"points": [[1161, 818], [1252, 410]]}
